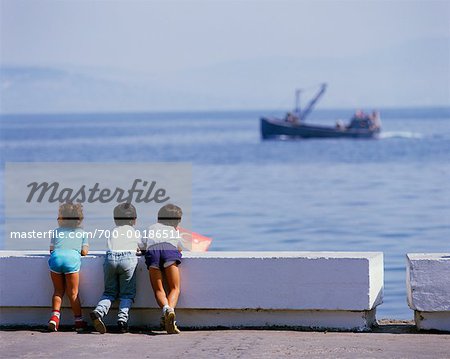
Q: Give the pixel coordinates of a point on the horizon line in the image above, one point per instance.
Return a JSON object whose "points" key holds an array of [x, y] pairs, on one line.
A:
{"points": [[205, 111]]}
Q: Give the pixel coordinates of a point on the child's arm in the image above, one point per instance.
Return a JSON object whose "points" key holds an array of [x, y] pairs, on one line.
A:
{"points": [[141, 245], [182, 243], [84, 246], [52, 244], [85, 250], [141, 248]]}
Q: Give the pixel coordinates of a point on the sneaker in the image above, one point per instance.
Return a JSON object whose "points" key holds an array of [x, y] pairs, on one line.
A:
{"points": [[175, 328], [123, 326], [80, 325], [171, 326], [97, 321], [162, 322], [53, 323]]}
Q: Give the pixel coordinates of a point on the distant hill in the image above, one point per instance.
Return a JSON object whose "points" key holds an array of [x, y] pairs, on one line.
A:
{"points": [[410, 75]]}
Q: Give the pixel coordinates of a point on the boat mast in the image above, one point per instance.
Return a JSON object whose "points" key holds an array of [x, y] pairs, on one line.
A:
{"points": [[311, 104], [297, 101]]}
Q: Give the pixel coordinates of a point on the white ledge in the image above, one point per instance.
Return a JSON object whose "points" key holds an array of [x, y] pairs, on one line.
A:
{"points": [[223, 288], [428, 289]]}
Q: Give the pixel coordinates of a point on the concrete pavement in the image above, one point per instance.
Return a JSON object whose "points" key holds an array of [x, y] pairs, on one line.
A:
{"points": [[387, 341]]}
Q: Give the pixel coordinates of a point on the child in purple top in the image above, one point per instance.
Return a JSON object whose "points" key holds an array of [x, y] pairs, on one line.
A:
{"points": [[163, 256]]}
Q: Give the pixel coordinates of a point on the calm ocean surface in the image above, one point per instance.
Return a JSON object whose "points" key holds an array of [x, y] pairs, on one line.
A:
{"points": [[390, 195]]}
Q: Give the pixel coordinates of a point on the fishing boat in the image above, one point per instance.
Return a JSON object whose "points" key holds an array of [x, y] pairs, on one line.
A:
{"points": [[293, 125]]}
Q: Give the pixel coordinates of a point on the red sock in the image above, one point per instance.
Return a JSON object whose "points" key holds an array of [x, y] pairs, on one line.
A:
{"points": [[56, 313]]}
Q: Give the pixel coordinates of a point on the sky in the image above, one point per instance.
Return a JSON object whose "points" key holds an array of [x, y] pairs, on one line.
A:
{"points": [[161, 44]]}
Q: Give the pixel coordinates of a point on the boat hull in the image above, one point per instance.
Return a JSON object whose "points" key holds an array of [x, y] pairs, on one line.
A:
{"points": [[275, 128]]}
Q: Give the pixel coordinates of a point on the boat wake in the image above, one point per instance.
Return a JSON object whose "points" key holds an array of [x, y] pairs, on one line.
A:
{"points": [[400, 134]]}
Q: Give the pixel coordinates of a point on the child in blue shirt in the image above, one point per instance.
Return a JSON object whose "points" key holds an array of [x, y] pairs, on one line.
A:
{"points": [[68, 243]]}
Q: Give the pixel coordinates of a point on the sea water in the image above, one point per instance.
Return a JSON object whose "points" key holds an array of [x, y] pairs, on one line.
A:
{"points": [[390, 195]]}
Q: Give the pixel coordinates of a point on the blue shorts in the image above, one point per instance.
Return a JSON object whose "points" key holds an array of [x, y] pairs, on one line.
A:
{"points": [[65, 261], [162, 255]]}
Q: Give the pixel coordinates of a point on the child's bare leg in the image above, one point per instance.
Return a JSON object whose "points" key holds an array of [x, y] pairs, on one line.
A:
{"points": [[173, 280], [58, 293], [72, 283], [156, 281]]}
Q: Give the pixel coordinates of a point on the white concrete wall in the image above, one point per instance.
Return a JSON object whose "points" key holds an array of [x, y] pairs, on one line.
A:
{"points": [[245, 288], [428, 289]]}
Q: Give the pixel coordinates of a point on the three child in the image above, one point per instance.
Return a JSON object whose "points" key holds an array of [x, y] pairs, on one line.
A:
{"points": [[162, 248]]}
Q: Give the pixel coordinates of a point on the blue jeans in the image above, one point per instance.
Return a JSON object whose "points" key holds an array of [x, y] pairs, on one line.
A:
{"points": [[119, 271]]}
